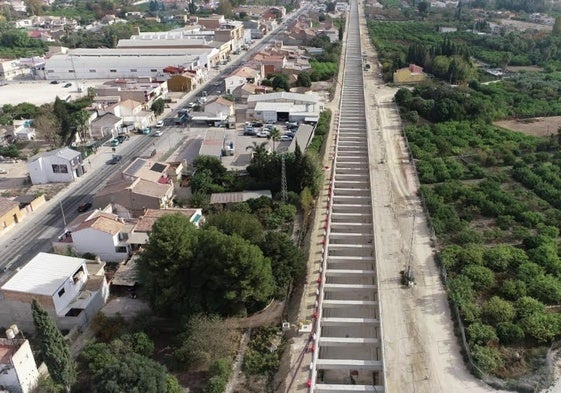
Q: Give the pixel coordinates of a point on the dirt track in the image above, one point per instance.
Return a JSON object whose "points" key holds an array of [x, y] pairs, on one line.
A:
{"points": [[421, 352]]}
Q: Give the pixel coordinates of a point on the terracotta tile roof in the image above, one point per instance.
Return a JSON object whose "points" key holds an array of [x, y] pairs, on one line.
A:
{"points": [[103, 222], [145, 187], [150, 216]]}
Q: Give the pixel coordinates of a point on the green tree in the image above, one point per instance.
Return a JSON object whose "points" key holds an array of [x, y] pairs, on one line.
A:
{"points": [[186, 271], [487, 358], [509, 333], [288, 262], [259, 159], [56, 352], [275, 136], [423, 8], [557, 27], [304, 79], [158, 107], [242, 224], [280, 82], [133, 373]]}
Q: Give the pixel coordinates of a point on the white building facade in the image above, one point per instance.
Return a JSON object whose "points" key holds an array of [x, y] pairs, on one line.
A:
{"points": [[57, 166], [19, 371], [123, 63]]}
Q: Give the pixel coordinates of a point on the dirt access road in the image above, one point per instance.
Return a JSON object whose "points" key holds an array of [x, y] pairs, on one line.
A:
{"points": [[421, 352]]}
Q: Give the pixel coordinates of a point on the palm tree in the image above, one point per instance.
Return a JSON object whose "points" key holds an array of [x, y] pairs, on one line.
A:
{"points": [[275, 136], [259, 156]]}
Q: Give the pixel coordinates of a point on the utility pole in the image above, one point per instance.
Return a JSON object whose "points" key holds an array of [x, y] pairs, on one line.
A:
{"points": [[284, 191]]}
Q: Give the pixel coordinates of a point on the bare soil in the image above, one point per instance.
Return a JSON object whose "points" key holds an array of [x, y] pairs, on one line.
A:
{"points": [[536, 126]]}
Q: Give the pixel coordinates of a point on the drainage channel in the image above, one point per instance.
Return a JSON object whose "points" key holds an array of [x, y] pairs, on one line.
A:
{"points": [[347, 339]]}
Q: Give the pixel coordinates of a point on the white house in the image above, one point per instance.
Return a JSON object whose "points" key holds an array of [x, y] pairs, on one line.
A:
{"points": [[132, 112], [240, 77], [19, 372], [105, 126], [221, 107], [23, 131], [70, 289], [99, 233], [284, 106], [56, 166]]}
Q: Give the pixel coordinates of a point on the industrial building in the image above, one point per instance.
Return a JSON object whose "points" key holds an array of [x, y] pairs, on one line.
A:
{"points": [[124, 63]]}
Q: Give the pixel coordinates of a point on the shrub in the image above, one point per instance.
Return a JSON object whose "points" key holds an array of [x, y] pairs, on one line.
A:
{"points": [[509, 333], [481, 276], [496, 310], [481, 334], [487, 358]]}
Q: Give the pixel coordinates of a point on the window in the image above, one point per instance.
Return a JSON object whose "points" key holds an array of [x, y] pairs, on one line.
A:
{"points": [[70, 70], [59, 168], [50, 71], [61, 292], [153, 70], [134, 70], [92, 70], [121, 249], [112, 70]]}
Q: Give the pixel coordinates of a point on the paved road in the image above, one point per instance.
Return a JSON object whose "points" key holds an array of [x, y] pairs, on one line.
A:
{"points": [[36, 232]]}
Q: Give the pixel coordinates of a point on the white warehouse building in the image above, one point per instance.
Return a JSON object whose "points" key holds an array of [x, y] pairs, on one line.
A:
{"points": [[124, 63]]}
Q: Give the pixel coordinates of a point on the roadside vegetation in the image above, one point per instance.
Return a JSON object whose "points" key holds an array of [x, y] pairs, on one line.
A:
{"points": [[493, 199], [492, 195]]}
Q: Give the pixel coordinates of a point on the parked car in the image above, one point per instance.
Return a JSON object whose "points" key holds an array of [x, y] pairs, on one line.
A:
{"points": [[249, 131], [68, 84], [122, 138], [84, 207], [115, 142], [160, 124], [263, 134], [3, 172], [115, 160], [158, 133], [286, 137], [191, 105], [146, 131], [54, 82]]}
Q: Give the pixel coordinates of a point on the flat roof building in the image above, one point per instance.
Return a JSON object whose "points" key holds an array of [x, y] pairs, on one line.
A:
{"points": [[118, 63]]}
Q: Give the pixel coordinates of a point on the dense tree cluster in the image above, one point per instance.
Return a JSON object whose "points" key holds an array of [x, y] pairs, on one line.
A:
{"points": [[187, 271], [124, 365]]}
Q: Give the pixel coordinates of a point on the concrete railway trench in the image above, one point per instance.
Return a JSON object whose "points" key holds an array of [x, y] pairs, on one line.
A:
{"points": [[348, 353]]}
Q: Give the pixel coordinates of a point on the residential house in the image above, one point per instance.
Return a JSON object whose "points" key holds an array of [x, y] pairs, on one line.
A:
{"points": [[409, 75], [99, 233], [133, 197], [271, 63], [133, 112], [70, 289], [242, 92], [240, 77], [13, 69], [142, 229], [141, 168], [10, 213], [23, 131], [56, 166], [182, 82], [105, 126], [19, 371], [143, 90], [221, 107]]}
